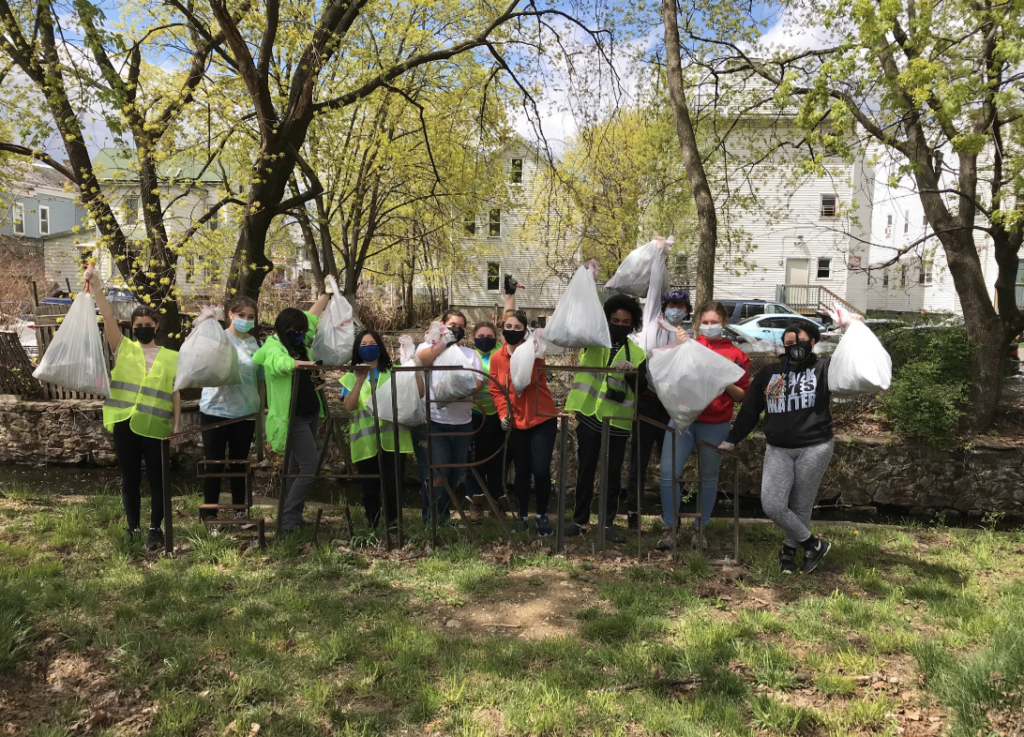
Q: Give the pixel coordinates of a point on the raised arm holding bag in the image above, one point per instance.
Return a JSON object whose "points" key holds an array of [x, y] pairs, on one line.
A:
{"points": [[332, 343]]}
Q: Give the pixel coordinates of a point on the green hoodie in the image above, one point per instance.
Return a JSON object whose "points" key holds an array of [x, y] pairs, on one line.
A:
{"points": [[278, 367]]}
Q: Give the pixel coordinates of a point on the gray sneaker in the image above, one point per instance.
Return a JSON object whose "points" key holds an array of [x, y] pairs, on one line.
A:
{"points": [[699, 541], [667, 538]]}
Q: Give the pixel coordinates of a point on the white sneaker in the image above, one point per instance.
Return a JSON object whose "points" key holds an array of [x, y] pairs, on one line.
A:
{"points": [[241, 514]]}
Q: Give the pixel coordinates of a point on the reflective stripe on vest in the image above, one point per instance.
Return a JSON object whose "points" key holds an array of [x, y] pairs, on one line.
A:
{"points": [[589, 394], [483, 397], [362, 432], [144, 398]]}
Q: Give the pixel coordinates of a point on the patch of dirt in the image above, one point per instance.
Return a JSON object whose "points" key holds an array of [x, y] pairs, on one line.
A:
{"points": [[42, 684], [532, 606]]}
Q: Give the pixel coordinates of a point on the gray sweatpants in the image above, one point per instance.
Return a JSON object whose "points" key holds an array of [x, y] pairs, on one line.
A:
{"points": [[304, 459], [789, 486]]}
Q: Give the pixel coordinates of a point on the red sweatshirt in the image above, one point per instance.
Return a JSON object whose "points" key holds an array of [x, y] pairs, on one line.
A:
{"points": [[720, 410], [525, 408]]}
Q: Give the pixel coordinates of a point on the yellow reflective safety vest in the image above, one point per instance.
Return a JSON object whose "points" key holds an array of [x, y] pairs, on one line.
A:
{"points": [[483, 397], [147, 399], [589, 393], [362, 433]]}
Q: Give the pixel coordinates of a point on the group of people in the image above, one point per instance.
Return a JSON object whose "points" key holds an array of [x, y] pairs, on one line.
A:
{"points": [[793, 393]]}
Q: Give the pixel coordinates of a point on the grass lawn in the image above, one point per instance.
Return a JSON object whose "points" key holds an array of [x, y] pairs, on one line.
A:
{"points": [[904, 630]]}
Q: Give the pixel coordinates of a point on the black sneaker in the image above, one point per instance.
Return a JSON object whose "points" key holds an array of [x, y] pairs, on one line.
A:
{"points": [[813, 556], [543, 526], [634, 521], [612, 535], [134, 534], [787, 560], [155, 539], [524, 524], [572, 529]]}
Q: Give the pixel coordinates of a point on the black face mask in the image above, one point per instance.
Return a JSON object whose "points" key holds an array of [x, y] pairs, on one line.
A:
{"points": [[485, 344], [620, 333], [458, 333], [145, 335], [799, 352], [513, 337]]}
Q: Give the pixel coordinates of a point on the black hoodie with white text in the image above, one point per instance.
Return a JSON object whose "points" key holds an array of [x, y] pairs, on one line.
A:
{"points": [[797, 401]]}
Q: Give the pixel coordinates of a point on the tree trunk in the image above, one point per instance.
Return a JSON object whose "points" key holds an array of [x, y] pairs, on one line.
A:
{"points": [[410, 304], [707, 220]]}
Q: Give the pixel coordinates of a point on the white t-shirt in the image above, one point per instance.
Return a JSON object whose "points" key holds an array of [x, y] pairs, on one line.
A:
{"points": [[453, 413]]}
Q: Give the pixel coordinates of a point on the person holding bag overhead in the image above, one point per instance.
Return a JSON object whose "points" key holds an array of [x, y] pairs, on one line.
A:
{"points": [[372, 362], [142, 410], [283, 352], [222, 403], [711, 426], [533, 434], [594, 397]]}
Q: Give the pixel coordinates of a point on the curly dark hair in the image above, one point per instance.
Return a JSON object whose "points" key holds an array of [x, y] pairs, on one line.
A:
{"points": [[624, 302], [795, 326]]}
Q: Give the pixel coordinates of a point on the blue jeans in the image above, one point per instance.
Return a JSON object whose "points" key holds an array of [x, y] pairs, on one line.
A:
{"points": [[445, 450], [709, 460]]}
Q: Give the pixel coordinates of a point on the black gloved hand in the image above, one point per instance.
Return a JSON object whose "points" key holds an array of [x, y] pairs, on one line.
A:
{"points": [[511, 285]]}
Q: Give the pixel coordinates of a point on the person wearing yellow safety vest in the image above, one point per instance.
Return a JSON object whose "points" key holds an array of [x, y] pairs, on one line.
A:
{"points": [[142, 410], [282, 353], [371, 360], [488, 436], [594, 397]]}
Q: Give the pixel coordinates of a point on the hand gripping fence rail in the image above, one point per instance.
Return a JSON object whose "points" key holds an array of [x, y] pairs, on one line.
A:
{"points": [[437, 479]]}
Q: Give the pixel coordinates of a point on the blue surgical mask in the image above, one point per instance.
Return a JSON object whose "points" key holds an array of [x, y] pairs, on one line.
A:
{"points": [[711, 331], [243, 326], [296, 337], [369, 353], [675, 315]]}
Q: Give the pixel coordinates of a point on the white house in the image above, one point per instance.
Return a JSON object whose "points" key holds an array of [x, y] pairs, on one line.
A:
{"points": [[909, 271], [507, 240]]}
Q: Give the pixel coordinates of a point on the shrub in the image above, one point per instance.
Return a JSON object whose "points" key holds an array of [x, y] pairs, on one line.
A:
{"points": [[931, 377]]}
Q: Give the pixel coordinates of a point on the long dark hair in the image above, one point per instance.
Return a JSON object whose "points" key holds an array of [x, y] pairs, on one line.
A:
{"points": [[383, 361], [291, 318]]}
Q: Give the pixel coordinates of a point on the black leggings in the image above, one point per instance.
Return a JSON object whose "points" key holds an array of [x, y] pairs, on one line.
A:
{"points": [[486, 443], [371, 487], [131, 449], [588, 454], [531, 453], [236, 439]]}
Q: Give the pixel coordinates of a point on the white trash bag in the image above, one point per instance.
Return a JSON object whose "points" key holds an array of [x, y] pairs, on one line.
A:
{"points": [[410, 405], [859, 364], [634, 273], [74, 359], [521, 364], [450, 386], [207, 358], [579, 321], [336, 333], [689, 377]]}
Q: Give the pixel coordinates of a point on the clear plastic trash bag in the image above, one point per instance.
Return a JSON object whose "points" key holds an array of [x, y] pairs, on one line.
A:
{"points": [[410, 404], [579, 321], [859, 364], [450, 386], [634, 273], [522, 361], [688, 377], [75, 358], [207, 358], [336, 333]]}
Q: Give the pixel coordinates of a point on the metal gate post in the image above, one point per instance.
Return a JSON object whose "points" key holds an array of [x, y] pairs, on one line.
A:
{"points": [[430, 466], [380, 457], [676, 488], [398, 459], [736, 509], [602, 500], [563, 463], [701, 532], [165, 478]]}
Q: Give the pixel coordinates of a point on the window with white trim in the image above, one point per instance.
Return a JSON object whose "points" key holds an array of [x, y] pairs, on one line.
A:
{"points": [[517, 171], [131, 210], [903, 276], [829, 203], [885, 277], [906, 221], [888, 225], [924, 275], [44, 220], [824, 268], [214, 222], [469, 223], [493, 276], [494, 225], [18, 218]]}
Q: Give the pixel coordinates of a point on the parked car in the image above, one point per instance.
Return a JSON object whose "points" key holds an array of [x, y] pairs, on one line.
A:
{"points": [[771, 327], [741, 309]]}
